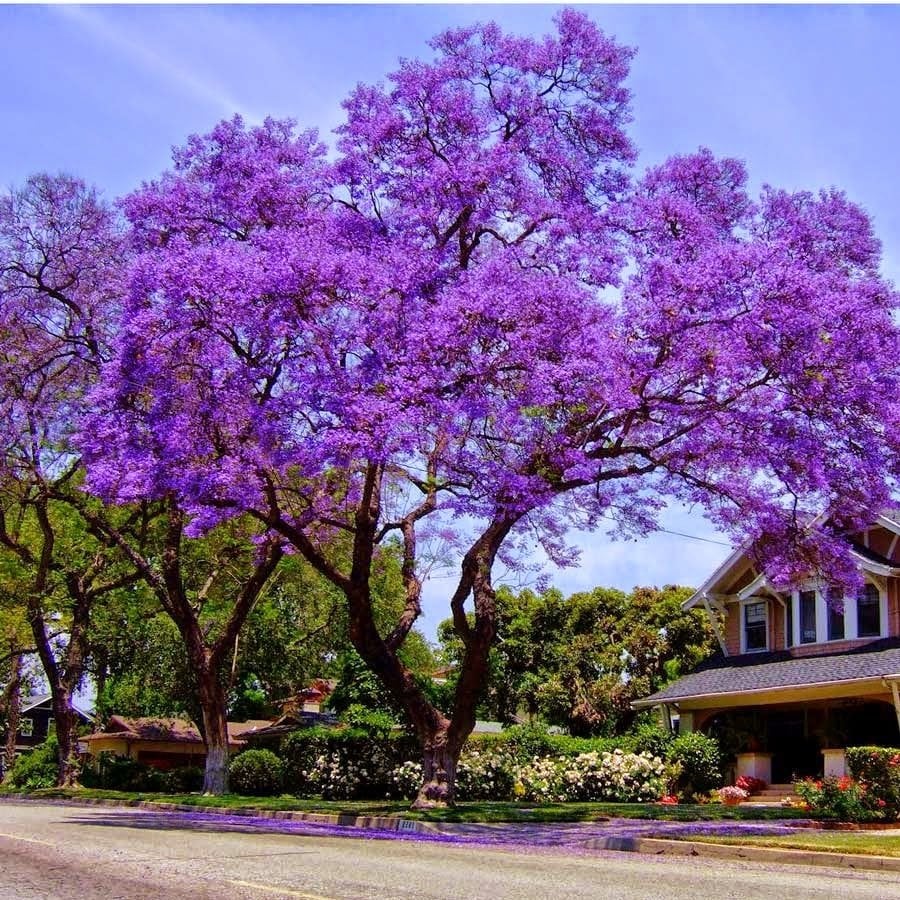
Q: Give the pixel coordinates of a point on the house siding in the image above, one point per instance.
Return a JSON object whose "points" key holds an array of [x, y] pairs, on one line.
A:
{"points": [[893, 597], [733, 629]]}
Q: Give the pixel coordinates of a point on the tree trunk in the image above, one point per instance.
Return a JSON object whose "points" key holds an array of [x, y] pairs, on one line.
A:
{"points": [[439, 762], [13, 712], [215, 734], [66, 722]]}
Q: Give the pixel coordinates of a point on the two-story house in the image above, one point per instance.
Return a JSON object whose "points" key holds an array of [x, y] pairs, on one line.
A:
{"points": [[800, 674], [36, 722]]}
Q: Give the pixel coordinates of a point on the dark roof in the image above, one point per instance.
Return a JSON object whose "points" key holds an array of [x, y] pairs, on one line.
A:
{"points": [[872, 556], [287, 724], [167, 729], [765, 671], [39, 701]]}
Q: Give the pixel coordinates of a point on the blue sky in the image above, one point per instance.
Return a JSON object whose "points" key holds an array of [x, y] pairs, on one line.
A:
{"points": [[806, 95]]}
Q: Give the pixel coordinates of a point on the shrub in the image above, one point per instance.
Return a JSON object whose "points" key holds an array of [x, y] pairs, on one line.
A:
{"points": [[37, 769], [183, 780], [485, 775], [698, 763], [257, 773], [374, 722], [344, 763], [121, 773], [733, 795], [878, 770], [839, 798], [750, 784], [615, 777]]}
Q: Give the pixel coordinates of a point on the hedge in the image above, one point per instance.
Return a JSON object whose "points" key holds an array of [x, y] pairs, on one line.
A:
{"points": [[878, 769]]}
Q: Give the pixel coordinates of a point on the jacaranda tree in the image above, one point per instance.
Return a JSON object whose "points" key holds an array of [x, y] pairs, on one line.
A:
{"points": [[472, 327]]}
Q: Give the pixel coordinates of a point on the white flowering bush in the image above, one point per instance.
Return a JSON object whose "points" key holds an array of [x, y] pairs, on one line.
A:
{"points": [[406, 779], [479, 776], [616, 777], [542, 780], [340, 765], [485, 775]]}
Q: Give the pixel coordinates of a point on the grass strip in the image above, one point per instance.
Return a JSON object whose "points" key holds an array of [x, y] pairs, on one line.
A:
{"points": [[474, 812], [870, 843]]}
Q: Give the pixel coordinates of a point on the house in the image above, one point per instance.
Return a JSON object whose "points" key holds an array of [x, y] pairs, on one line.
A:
{"points": [[163, 743], [800, 674], [36, 721]]}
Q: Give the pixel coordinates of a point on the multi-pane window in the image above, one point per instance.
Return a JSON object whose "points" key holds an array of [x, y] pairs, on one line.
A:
{"points": [[835, 606], [807, 617], [755, 637], [868, 612]]}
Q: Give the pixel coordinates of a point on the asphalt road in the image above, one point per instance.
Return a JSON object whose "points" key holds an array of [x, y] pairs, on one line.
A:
{"points": [[91, 853]]}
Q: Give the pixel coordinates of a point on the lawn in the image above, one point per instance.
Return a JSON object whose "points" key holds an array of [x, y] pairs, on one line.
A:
{"points": [[868, 843], [463, 812]]}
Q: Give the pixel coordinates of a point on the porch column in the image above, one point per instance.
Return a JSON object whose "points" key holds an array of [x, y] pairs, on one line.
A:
{"points": [[755, 765], [835, 762]]}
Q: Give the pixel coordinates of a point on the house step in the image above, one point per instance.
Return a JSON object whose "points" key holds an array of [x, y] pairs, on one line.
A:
{"points": [[774, 793]]}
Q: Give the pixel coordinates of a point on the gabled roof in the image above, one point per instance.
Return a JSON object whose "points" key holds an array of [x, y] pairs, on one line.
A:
{"points": [[868, 560], [168, 730], [37, 700], [723, 676]]}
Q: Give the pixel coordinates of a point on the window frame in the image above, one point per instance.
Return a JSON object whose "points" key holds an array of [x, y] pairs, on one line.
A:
{"points": [[754, 601]]}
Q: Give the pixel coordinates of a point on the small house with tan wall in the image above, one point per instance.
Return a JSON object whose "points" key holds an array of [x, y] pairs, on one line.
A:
{"points": [[800, 674], [163, 743]]}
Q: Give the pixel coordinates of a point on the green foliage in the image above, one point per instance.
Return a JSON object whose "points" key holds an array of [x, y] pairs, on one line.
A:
{"points": [[699, 764], [256, 773], [343, 763], [838, 798], [579, 662], [374, 722], [110, 771], [36, 769], [878, 769]]}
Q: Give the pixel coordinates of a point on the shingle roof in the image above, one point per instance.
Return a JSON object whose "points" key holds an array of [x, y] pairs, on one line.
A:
{"points": [[765, 671], [167, 729]]}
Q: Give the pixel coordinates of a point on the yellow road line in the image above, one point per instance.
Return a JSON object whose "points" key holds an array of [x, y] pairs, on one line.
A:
{"points": [[18, 837], [274, 889]]}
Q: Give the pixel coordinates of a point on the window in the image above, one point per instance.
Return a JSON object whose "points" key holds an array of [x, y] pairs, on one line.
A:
{"points": [[807, 617], [868, 612], [26, 727], [788, 621], [834, 604], [755, 630]]}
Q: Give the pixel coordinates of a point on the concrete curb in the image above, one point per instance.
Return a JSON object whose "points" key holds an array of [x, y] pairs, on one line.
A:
{"points": [[662, 846], [348, 820]]}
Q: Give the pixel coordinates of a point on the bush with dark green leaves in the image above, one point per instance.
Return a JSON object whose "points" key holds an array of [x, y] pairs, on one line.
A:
{"points": [[344, 763], [256, 773], [878, 769], [699, 764], [36, 769]]}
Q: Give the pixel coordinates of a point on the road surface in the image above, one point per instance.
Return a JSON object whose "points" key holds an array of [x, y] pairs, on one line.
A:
{"points": [[49, 851]]}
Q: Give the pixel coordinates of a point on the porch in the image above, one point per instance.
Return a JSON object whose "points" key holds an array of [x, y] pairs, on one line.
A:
{"points": [[796, 740]]}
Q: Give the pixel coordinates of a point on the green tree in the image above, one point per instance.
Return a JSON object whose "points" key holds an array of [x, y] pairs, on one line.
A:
{"points": [[579, 662]]}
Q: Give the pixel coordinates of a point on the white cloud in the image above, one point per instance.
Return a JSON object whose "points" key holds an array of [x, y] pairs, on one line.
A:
{"points": [[158, 63]]}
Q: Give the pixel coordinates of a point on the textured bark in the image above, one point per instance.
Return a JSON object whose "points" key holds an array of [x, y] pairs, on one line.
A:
{"points": [[439, 763], [215, 734], [66, 721], [13, 711]]}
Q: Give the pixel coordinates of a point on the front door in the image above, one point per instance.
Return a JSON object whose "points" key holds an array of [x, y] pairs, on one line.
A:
{"points": [[794, 754]]}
